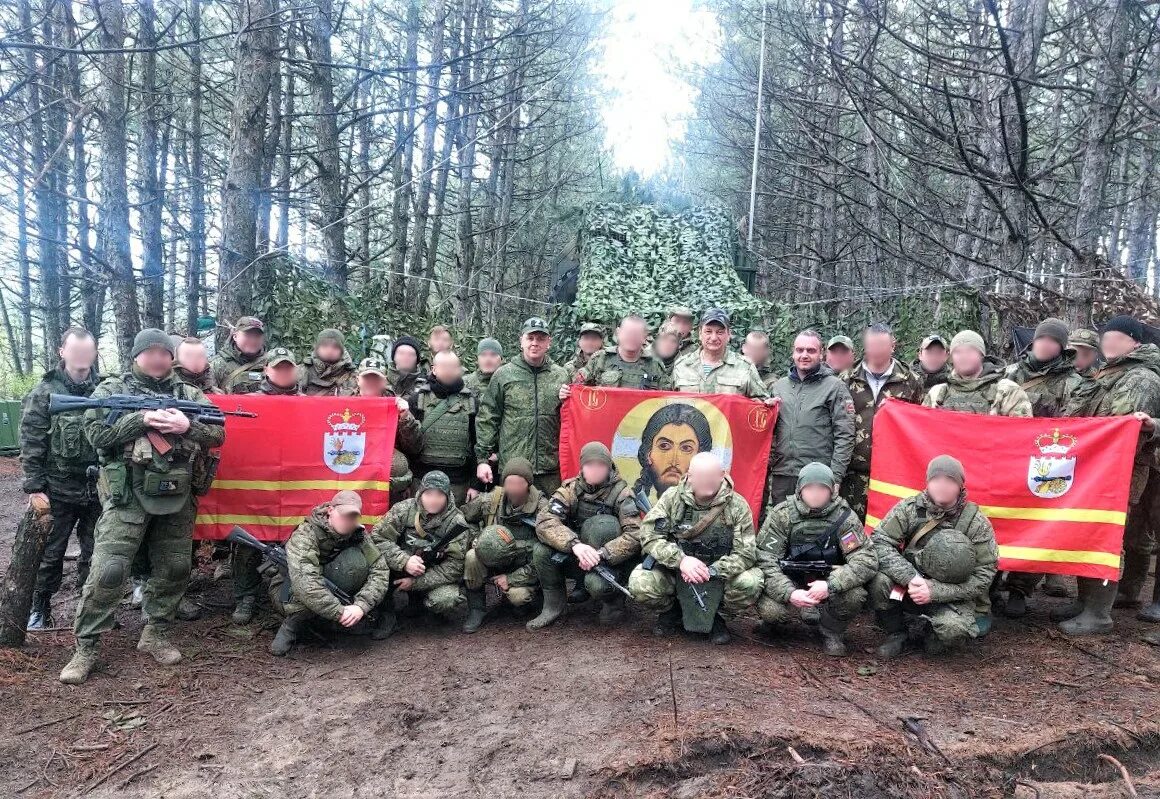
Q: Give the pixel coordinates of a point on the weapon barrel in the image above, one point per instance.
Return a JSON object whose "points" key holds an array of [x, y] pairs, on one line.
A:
{"points": [[59, 403]]}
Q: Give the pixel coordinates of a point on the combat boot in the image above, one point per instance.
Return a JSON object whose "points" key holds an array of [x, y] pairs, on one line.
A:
{"points": [[719, 635], [1055, 585], [1096, 617], [476, 610], [156, 643], [40, 616], [579, 594], [1132, 580], [931, 644], [894, 626], [1151, 612], [1016, 606], [892, 647], [387, 622], [833, 634], [244, 610], [983, 624], [554, 603], [81, 665], [1076, 606], [612, 610], [288, 632], [668, 622], [188, 610]]}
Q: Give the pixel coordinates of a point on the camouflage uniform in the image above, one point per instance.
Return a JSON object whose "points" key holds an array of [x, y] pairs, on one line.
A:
{"points": [[988, 393], [56, 455], [930, 379], [767, 374], [276, 357], [234, 372], [951, 611], [403, 383], [447, 427], [900, 384], [493, 508], [607, 368], [655, 588], [734, 375], [477, 382], [317, 378], [203, 381]]}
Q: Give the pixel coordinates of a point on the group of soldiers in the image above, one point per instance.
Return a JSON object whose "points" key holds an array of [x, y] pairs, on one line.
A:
{"points": [[478, 499]]}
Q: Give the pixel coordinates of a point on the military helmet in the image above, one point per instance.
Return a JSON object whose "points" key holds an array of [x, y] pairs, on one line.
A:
{"points": [[348, 570], [599, 530], [498, 548], [948, 558]]}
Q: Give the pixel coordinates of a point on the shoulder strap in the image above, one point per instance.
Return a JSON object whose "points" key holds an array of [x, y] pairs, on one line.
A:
{"points": [[703, 525], [924, 530], [419, 525], [967, 517], [1033, 382], [436, 413], [832, 529], [493, 510], [236, 372]]}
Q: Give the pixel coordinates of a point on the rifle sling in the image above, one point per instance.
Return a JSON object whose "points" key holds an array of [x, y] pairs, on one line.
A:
{"points": [[702, 525], [923, 531]]}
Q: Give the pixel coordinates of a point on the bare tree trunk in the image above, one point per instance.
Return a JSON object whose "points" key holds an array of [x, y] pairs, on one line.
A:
{"points": [[404, 155], [196, 270], [327, 158], [149, 192]]}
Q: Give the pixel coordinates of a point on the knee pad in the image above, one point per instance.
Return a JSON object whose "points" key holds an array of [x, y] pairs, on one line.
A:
{"points": [[114, 570]]}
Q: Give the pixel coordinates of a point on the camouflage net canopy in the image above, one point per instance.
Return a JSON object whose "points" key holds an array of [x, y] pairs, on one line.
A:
{"points": [[643, 259]]}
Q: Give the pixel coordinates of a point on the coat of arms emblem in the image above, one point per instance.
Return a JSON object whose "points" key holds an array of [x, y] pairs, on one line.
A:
{"points": [[343, 447], [1051, 473]]}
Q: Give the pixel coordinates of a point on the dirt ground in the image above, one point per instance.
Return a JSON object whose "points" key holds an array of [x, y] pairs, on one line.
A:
{"points": [[577, 710]]}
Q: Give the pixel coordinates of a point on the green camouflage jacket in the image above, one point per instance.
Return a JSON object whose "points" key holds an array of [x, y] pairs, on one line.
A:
{"points": [[407, 529], [204, 381], [477, 382], [317, 378], [558, 525], [901, 384], [989, 393], [54, 451], [237, 373], [1131, 383], [1054, 389], [607, 368], [492, 507], [930, 379], [734, 375], [815, 422], [575, 364], [313, 545], [679, 504], [519, 415]]}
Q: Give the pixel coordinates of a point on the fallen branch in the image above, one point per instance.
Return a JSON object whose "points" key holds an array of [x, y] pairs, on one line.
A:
{"points": [[100, 780], [44, 724], [1123, 773], [138, 773]]}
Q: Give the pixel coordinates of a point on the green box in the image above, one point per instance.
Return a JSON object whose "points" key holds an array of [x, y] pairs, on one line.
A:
{"points": [[10, 411]]}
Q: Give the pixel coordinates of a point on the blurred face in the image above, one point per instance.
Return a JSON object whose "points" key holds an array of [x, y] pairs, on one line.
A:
{"points": [[683, 324], [966, 361], [594, 472], [406, 358], [283, 375], [943, 490], [343, 519], [534, 347], [489, 361], [816, 495], [371, 385], [705, 476], [328, 351], [79, 353], [192, 358], [590, 343], [756, 349], [631, 335], [666, 346], [878, 349], [439, 341], [839, 358], [433, 502], [1085, 357], [447, 368], [1045, 349], [671, 453], [807, 353], [155, 362], [933, 358], [516, 489], [1115, 344], [249, 342], [714, 337]]}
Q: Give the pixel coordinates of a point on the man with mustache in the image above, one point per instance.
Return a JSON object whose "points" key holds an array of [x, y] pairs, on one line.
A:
{"points": [[670, 439]]}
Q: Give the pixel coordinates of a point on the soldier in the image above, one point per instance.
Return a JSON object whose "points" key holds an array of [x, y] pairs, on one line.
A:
{"points": [[680, 320], [56, 457], [936, 559], [439, 340], [152, 464], [519, 414], [1086, 344], [488, 357], [237, 369], [192, 364], [703, 513], [328, 370], [840, 354], [329, 544], [870, 381], [815, 420], [593, 518], [423, 540], [280, 376], [814, 553], [931, 364], [666, 347], [501, 550], [590, 342], [714, 368], [372, 382], [445, 409], [756, 349], [626, 365], [404, 371]]}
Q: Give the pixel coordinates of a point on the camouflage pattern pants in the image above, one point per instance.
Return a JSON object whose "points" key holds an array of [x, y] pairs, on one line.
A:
{"points": [[66, 516], [1140, 537], [837, 610], [520, 595], [120, 532], [244, 563], [854, 489], [599, 588], [553, 575], [547, 482], [655, 588], [952, 622]]}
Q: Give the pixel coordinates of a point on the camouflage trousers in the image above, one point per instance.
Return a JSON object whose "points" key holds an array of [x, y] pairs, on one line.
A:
{"points": [[66, 517], [1140, 537], [554, 575], [952, 622], [656, 589], [440, 599], [854, 489], [120, 532], [836, 611], [519, 595]]}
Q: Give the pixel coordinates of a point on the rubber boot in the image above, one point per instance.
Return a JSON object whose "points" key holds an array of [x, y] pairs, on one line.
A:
{"points": [[1076, 606], [612, 610], [188, 610], [554, 602], [156, 643], [669, 622], [476, 610], [1096, 617], [931, 644], [895, 628], [244, 612], [1151, 612], [833, 635], [983, 624], [579, 594], [1016, 606], [1132, 580], [1055, 585], [288, 633], [387, 622], [40, 616], [83, 661], [719, 635]]}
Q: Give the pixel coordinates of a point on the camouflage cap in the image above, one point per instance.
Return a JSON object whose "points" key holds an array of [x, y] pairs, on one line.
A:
{"points": [[280, 355], [332, 335], [844, 341], [715, 315], [436, 481], [249, 323], [534, 325], [681, 310], [372, 366], [1084, 338], [933, 338], [592, 327], [349, 500]]}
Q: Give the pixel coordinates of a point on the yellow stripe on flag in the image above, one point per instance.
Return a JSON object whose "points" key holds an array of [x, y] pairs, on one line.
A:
{"points": [[303, 485], [269, 521], [1095, 515], [1060, 556]]}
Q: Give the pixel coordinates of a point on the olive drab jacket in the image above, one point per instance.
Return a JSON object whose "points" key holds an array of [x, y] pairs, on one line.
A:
{"points": [[54, 451], [607, 368], [988, 392], [678, 506], [477, 381], [408, 529], [930, 379], [313, 545], [204, 380], [234, 372], [575, 502], [1131, 383], [493, 507], [815, 422], [900, 384], [519, 415], [792, 522], [734, 375], [1054, 389], [317, 378]]}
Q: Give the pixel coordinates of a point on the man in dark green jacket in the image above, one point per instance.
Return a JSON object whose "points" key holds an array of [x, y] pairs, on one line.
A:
{"points": [[328, 370], [237, 368]]}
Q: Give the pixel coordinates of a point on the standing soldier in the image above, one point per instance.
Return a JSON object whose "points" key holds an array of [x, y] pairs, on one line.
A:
{"points": [[680, 320], [424, 540], [501, 550], [404, 371], [489, 356], [625, 365], [192, 364], [147, 498], [877, 376], [445, 409], [372, 382], [840, 354], [931, 364], [328, 370], [280, 376], [237, 369], [701, 513], [813, 552], [519, 414], [714, 368], [590, 342], [756, 349], [666, 347], [593, 518], [438, 340], [56, 457], [815, 420], [1086, 344]]}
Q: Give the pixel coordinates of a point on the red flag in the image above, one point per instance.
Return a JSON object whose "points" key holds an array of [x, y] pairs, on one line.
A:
{"points": [[654, 434], [295, 455], [1056, 490]]}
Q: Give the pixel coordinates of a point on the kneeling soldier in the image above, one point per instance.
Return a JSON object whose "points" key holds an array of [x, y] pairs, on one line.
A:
{"points": [[591, 520], [423, 542], [502, 551], [701, 531], [936, 557], [813, 552], [330, 544]]}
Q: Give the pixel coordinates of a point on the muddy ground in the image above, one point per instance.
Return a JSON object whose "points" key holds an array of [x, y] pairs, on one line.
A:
{"points": [[575, 711]]}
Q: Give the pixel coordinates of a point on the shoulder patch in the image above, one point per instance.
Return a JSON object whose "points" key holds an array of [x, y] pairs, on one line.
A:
{"points": [[850, 541]]}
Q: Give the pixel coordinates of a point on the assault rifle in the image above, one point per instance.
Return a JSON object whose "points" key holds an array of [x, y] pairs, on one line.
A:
{"points": [[805, 566], [276, 555], [601, 570], [434, 553]]}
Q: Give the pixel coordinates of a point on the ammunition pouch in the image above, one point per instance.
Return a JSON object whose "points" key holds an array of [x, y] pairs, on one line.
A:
{"points": [[163, 492], [113, 486]]}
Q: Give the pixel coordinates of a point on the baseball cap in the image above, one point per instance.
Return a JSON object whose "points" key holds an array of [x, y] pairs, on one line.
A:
{"points": [[933, 338], [250, 323], [592, 327], [372, 366], [280, 355], [718, 315], [1084, 338], [845, 341], [535, 325], [347, 501]]}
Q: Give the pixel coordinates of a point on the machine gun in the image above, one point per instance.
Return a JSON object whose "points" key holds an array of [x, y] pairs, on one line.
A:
{"points": [[276, 555]]}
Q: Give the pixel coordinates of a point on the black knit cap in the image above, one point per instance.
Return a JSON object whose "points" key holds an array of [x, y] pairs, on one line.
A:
{"points": [[1128, 325], [406, 341]]}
